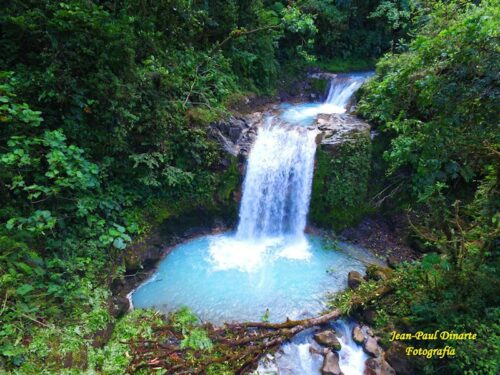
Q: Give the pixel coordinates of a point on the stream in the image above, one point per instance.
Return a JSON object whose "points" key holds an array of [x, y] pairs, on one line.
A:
{"points": [[268, 267]]}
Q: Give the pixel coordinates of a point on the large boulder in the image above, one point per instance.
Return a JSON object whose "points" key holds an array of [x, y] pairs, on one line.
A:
{"points": [[342, 171], [378, 366], [340, 128], [331, 364], [371, 347], [236, 134], [328, 338], [354, 279]]}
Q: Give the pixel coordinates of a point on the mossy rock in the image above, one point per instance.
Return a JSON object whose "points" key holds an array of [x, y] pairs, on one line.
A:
{"points": [[318, 86], [374, 272], [340, 184]]}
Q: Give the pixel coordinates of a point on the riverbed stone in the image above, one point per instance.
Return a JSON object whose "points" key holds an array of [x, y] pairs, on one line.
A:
{"points": [[354, 279], [371, 347], [328, 338], [378, 366], [357, 335], [331, 364]]}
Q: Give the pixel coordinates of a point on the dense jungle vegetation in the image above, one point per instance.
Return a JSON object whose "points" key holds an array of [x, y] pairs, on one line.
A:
{"points": [[104, 113]]}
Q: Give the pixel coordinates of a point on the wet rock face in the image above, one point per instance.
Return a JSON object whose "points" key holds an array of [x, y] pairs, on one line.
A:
{"points": [[378, 366], [371, 347], [331, 364], [340, 128], [236, 134], [328, 338], [357, 335]]}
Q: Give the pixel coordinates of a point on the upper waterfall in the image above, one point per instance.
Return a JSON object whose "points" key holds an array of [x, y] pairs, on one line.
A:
{"points": [[277, 185], [342, 88], [340, 91]]}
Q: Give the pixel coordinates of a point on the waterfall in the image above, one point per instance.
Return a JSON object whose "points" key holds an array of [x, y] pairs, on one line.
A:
{"points": [[342, 88], [277, 185]]}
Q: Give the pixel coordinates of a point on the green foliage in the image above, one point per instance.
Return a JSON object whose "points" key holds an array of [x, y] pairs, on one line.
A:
{"points": [[345, 65], [436, 104], [195, 337], [361, 29], [114, 357], [340, 184], [265, 317], [438, 100]]}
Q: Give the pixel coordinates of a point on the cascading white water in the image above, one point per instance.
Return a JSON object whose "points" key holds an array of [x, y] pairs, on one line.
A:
{"points": [[277, 185], [340, 91], [342, 88], [275, 201]]}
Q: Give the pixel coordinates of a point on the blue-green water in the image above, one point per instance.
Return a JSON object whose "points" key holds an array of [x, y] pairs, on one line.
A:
{"points": [[222, 278]]}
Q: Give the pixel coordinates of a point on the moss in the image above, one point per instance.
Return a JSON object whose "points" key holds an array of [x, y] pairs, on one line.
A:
{"points": [[318, 86], [340, 184], [229, 181], [203, 116]]}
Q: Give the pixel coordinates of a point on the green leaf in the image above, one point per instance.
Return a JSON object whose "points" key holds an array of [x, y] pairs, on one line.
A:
{"points": [[24, 289]]}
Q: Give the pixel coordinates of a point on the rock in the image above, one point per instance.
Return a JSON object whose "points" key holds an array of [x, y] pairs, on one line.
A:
{"points": [[328, 338], [357, 335], [319, 138], [398, 359], [367, 331], [331, 364], [340, 128], [354, 279], [102, 336], [146, 250], [378, 366], [323, 75], [393, 261], [236, 135], [119, 306], [374, 272], [369, 316], [370, 346]]}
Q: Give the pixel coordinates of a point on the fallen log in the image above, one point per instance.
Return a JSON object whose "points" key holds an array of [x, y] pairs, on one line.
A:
{"points": [[238, 346], [306, 323]]}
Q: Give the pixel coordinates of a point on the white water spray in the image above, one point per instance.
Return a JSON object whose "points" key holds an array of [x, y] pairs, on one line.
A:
{"points": [[276, 194]]}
